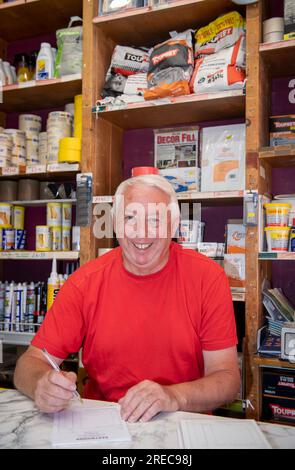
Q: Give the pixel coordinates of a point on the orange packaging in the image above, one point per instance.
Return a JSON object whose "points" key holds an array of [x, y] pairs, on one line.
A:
{"points": [[235, 239]]}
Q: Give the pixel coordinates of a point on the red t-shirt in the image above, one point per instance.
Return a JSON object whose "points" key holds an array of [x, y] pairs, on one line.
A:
{"points": [[134, 328]]}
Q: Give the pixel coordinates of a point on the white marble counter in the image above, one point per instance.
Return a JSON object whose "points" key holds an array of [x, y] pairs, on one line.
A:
{"points": [[22, 426]]}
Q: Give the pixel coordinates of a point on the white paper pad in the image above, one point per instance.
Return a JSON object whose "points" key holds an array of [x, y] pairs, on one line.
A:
{"points": [[221, 434], [84, 424]]}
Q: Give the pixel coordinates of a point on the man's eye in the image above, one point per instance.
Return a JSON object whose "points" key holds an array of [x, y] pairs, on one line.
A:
{"points": [[153, 222], [130, 219]]}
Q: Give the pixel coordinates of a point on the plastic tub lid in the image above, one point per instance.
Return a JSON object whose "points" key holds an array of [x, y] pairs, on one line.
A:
{"points": [[277, 204], [269, 229], [144, 170]]}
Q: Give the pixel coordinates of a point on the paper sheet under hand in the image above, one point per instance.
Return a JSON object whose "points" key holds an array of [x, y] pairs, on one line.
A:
{"points": [[221, 434], [85, 424]]}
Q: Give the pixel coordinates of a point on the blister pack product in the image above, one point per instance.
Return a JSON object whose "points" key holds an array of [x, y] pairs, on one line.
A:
{"points": [[171, 67], [222, 71], [223, 158], [221, 33]]}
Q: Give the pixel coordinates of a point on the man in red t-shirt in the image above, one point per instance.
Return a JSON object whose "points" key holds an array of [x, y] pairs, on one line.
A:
{"points": [[155, 321]]}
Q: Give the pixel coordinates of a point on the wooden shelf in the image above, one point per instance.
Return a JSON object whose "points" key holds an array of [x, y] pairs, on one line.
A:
{"points": [[284, 256], [40, 94], [180, 110], [272, 362], [281, 156], [147, 26], [41, 202], [39, 255], [25, 19], [279, 56], [53, 171], [188, 196]]}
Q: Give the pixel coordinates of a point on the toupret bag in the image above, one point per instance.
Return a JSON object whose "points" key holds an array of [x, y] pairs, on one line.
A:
{"points": [[70, 49]]}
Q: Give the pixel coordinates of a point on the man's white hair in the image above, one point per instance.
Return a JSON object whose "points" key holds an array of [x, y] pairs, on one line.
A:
{"points": [[154, 181]]}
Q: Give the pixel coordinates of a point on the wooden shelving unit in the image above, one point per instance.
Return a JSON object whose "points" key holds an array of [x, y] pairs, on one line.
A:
{"points": [[23, 19], [39, 255], [279, 57], [281, 156], [273, 362], [135, 26], [42, 172], [180, 110], [41, 94]]}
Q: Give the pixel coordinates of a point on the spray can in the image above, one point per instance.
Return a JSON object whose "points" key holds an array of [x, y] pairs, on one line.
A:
{"points": [[52, 285], [30, 306]]}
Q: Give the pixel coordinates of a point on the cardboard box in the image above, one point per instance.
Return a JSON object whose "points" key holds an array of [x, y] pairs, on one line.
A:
{"points": [[278, 409], [223, 158], [278, 383], [176, 156], [289, 19], [235, 238], [282, 130], [234, 266]]}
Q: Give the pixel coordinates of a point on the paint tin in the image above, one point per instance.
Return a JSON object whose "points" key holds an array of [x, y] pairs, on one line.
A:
{"points": [[66, 215], [6, 215], [277, 238], [66, 239], [56, 238], [54, 214], [43, 238], [20, 239], [8, 239], [19, 217]]}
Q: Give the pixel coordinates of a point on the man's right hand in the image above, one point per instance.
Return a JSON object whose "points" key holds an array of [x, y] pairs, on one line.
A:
{"points": [[54, 390]]}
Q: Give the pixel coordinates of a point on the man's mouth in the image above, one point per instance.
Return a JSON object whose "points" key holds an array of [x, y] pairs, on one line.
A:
{"points": [[142, 246]]}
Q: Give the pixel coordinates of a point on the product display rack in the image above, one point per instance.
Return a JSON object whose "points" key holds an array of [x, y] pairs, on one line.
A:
{"points": [[102, 149], [268, 61], [22, 20]]}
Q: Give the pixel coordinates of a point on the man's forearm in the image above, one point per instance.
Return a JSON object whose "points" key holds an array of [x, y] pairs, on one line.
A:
{"points": [[27, 372], [208, 393]]}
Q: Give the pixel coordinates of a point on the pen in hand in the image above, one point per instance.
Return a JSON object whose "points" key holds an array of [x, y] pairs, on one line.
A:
{"points": [[56, 367]]}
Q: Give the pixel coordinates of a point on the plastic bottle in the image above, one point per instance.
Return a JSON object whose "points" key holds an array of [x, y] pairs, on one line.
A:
{"points": [[13, 72], [52, 285], [2, 74], [7, 71], [45, 62]]}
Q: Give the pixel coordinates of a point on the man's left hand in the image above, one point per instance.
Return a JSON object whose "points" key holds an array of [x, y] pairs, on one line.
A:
{"points": [[146, 399]]}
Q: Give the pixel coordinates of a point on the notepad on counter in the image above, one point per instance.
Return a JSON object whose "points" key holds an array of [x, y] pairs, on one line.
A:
{"points": [[221, 434], [88, 424]]}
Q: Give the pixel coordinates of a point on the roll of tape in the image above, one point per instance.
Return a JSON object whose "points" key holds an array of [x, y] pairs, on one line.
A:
{"points": [[8, 190], [28, 190], [272, 25]]}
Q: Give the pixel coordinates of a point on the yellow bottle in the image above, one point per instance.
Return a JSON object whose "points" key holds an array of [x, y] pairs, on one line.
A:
{"points": [[53, 285]]}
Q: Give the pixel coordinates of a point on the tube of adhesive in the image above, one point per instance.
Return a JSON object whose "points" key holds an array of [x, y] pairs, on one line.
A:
{"points": [[18, 293], [37, 309], [24, 307], [43, 302], [52, 285], [9, 307], [2, 301], [30, 306]]}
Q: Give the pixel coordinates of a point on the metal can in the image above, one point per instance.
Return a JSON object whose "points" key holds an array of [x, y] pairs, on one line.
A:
{"points": [[20, 239], [19, 217], [6, 215], [54, 218], [292, 239], [43, 238], [1, 240], [56, 238], [66, 239], [66, 214], [8, 239]]}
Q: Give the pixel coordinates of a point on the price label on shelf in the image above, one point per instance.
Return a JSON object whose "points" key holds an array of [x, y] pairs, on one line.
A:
{"points": [[10, 171], [28, 84], [31, 169], [55, 167]]}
